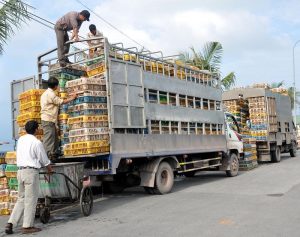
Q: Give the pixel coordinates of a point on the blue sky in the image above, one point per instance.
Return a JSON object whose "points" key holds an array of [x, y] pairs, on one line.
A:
{"points": [[257, 36]]}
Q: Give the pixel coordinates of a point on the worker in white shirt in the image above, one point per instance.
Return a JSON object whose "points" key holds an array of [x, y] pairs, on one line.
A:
{"points": [[31, 156], [94, 33], [50, 103]]}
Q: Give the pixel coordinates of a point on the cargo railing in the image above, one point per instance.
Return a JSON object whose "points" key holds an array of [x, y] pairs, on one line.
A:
{"points": [[168, 66]]}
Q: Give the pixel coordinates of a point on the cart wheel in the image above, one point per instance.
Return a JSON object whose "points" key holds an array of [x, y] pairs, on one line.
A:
{"points": [[45, 215], [86, 201]]}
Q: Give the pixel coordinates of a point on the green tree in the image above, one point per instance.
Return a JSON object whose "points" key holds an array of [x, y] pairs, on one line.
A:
{"points": [[209, 58], [12, 14]]}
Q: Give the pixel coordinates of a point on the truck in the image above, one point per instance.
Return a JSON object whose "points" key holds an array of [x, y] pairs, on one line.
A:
{"points": [[164, 118], [271, 121]]}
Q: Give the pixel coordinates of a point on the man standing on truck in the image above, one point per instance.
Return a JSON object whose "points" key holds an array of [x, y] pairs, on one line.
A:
{"points": [[31, 156], [50, 103], [94, 33], [70, 21]]}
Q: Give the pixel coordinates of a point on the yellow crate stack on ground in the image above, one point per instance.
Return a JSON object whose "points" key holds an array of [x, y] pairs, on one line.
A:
{"points": [[30, 109], [8, 182]]}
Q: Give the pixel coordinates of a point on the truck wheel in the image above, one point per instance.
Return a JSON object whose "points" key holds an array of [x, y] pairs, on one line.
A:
{"points": [[276, 155], [164, 178], [234, 165], [293, 150], [189, 174]]}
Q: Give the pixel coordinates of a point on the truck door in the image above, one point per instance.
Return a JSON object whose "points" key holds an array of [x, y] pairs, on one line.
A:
{"points": [[18, 87], [233, 136]]}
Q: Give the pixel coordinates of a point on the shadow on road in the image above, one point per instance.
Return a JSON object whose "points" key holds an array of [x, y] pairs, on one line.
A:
{"points": [[106, 202]]}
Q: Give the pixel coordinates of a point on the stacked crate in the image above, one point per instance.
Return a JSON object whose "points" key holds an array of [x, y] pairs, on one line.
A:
{"points": [[240, 109], [88, 126], [30, 109], [8, 183], [249, 160], [64, 75], [259, 118]]}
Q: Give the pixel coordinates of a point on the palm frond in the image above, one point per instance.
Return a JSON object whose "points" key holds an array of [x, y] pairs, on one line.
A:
{"points": [[228, 81], [12, 14], [212, 55]]}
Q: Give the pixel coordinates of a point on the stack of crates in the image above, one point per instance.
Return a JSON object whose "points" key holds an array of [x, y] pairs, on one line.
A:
{"points": [[239, 109], [8, 182], [30, 109], [259, 118], [64, 75], [88, 116], [249, 160]]}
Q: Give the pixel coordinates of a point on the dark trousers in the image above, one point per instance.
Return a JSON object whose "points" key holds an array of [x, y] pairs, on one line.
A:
{"points": [[50, 139], [62, 37]]}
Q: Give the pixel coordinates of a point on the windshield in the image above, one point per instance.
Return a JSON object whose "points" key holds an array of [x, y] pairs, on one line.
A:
{"points": [[232, 123]]}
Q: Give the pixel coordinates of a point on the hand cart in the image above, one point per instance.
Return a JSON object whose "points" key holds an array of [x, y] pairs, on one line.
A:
{"points": [[66, 185]]}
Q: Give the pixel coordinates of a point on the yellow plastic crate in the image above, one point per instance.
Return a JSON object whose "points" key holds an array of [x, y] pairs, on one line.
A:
{"points": [[63, 116], [11, 174], [85, 151], [181, 74], [129, 57], [32, 92], [11, 154], [63, 95], [28, 116], [96, 71], [31, 109], [30, 104], [89, 144], [4, 212], [87, 118], [25, 100]]}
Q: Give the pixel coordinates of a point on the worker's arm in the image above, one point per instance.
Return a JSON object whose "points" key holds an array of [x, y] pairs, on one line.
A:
{"points": [[71, 98], [59, 101], [75, 34]]}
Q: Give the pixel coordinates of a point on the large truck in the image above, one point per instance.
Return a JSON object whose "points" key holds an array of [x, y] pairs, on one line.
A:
{"points": [[164, 118], [271, 121]]}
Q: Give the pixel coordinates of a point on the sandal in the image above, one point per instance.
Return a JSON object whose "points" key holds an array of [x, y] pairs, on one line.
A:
{"points": [[9, 228]]}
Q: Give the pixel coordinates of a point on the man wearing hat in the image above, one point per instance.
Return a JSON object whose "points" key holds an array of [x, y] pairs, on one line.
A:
{"points": [[70, 21]]}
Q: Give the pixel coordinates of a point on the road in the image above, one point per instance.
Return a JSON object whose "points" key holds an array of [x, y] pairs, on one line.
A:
{"points": [[262, 202]]}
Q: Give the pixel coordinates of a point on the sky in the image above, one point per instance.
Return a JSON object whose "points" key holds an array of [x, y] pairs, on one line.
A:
{"points": [[257, 36]]}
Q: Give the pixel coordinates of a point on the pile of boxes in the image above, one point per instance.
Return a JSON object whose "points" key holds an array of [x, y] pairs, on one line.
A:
{"points": [[30, 109], [239, 109], [88, 115], [259, 118], [8, 182]]}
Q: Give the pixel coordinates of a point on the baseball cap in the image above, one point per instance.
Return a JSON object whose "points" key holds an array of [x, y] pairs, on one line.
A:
{"points": [[86, 14]]}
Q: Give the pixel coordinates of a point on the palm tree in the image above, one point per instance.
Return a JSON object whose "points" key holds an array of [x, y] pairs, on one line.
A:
{"points": [[209, 59], [12, 14], [290, 92]]}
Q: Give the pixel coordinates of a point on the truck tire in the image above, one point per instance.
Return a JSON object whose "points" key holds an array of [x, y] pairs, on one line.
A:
{"points": [[293, 150], [164, 178], [276, 155], [234, 165]]}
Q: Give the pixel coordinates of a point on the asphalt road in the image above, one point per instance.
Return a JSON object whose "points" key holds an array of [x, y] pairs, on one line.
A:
{"points": [[262, 202]]}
